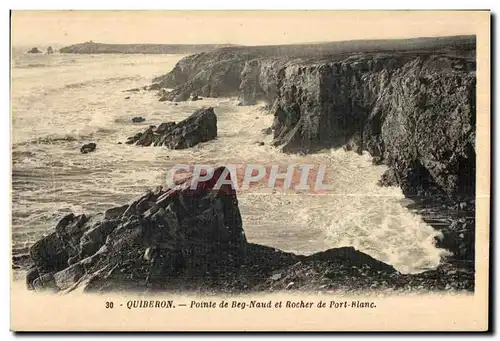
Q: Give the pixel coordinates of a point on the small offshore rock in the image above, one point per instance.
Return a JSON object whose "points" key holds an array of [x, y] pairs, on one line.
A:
{"points": [[128, 97], [34, 50], [199, 127], [87, 148], [138, 119]]}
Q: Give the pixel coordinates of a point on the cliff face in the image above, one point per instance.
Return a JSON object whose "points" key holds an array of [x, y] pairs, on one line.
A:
{"points": [[412, 106]]}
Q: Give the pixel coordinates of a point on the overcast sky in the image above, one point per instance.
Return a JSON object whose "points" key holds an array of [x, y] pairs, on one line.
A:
{"points": [[247, 28]]}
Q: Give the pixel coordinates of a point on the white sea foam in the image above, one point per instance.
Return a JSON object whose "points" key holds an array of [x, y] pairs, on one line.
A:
{"points": [[56, 109]]}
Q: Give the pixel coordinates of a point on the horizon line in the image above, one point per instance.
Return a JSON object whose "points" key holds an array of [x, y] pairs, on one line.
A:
{"points": [[246, 45]]}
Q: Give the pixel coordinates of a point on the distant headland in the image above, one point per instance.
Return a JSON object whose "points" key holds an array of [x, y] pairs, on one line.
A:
{"points": [[96, 48]]}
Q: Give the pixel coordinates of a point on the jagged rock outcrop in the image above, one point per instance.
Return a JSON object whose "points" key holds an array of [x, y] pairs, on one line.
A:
{"points": [[190, 237], [201, 126], [50, 50]]}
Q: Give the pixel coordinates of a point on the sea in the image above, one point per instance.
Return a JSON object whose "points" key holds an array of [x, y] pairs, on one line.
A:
{"points": [[61, 101]]}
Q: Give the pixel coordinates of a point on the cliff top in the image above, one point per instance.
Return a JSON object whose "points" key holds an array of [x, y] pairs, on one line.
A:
{"points": [[459, 46]]}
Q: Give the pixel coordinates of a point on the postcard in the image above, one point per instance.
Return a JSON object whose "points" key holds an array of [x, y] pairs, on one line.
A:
{"points": [[250, 170]]}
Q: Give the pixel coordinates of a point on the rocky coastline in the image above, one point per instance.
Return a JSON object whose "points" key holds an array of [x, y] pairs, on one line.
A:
{"points": [[410, 104]]}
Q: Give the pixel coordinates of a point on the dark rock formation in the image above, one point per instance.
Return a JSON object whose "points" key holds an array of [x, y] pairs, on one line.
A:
{"points": [[87, 148], [50, 50], [128, 97], [34, 50], [138, 119], [201, 126], [190, 237]]}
